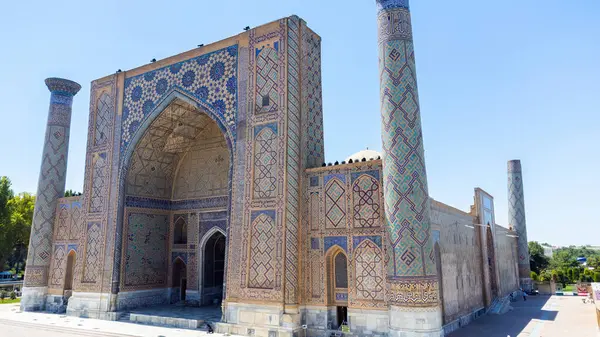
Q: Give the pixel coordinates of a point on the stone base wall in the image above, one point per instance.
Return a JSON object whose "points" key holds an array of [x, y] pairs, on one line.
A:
{"points": [[258, 320], [56, 304], [129, 300], [34, 298], [463, 320], [91, 305], [364, 322], [408, 322]]}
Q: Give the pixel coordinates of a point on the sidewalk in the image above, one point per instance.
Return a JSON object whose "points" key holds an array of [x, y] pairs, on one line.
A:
{"points": [[10, 315], [539, 316]]}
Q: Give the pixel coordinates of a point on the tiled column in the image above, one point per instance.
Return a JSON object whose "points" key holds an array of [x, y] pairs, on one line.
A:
{"points": [[516, 218], [412, 281], [51, 187]]}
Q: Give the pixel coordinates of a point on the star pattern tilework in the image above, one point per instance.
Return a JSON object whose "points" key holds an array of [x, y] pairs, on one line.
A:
{"points": [[210, 78]]}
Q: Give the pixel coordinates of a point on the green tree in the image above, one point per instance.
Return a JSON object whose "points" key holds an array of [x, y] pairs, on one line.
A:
{"points": [[71, 193], [594, 261], [534, 276], [537, 260], [16, 214], [576, 274], [6, 231], [545, 275], [597, 277], [21, 207]]}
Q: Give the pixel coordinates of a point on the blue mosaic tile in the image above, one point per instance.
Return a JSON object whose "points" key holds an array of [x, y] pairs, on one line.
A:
{"points": [[435, 234], [209, 78], [142, 202], [339, 176], [314, 181], [358, 239], [213, 215], [269, 213], [356, 175], [181, 255], [390, 4], [315, 243], [341, 296], [259, 128], [331, 241]]}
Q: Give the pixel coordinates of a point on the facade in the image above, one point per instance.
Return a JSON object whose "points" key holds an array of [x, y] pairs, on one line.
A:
{"points": [[204, 184]]}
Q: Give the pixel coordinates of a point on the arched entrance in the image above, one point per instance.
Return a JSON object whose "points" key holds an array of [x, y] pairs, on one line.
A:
{"points": [[179, 281], [212, 274], [337, 285], [179, 169], [69, 274]]}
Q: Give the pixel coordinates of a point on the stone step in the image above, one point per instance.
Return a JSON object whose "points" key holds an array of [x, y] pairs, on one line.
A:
{"points": [[174, 322]]}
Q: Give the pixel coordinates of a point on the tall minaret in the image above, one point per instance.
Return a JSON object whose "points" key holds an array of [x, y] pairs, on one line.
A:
{"points": [[516, 218], [51, 187], [413, 284]]}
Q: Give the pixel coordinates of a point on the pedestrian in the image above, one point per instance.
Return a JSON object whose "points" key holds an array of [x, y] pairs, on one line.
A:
{"points": [[524, 295]]}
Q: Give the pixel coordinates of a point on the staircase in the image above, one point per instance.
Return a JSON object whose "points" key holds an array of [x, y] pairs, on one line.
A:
{"points": [[500, 306]]}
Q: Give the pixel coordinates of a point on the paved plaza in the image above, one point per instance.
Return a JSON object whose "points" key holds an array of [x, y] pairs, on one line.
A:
{"points": [[35, 324], [539, 316]]}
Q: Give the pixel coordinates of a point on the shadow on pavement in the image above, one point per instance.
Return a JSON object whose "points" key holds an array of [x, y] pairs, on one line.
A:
{"points": [[513, 322]]}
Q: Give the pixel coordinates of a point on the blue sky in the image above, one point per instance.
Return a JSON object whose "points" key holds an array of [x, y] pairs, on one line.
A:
{"points": [[498, 80]]}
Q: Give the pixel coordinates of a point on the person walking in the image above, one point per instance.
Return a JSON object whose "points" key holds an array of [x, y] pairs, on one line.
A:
{"points": [[524, 295]]}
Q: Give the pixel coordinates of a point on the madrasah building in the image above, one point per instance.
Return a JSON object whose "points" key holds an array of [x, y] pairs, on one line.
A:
{"points": [[205, 186]]}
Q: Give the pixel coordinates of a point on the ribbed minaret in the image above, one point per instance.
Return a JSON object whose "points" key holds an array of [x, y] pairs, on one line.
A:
{"points": [[413, 284], [51, 187], [516, 218]]}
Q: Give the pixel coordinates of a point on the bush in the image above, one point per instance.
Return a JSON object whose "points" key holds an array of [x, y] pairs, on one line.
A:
{"points": [[2, 295], [13, 295], [596, 277], [534, 276]]}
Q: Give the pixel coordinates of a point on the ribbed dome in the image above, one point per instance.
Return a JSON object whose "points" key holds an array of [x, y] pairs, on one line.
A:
{"points": [[368, 154]]}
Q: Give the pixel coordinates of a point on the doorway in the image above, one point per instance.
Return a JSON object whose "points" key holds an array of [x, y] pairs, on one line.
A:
{"points": [[68, 289], [179, 281], [214, 269]]}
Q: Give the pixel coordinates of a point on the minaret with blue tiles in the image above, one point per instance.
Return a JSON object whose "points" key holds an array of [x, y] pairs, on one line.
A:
{"points": [[413, 289], [516, 218], [51, 187]]}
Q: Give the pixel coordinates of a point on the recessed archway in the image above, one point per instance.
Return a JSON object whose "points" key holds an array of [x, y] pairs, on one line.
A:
{"points": [[179, 167], [70, 273], [211, 274]]}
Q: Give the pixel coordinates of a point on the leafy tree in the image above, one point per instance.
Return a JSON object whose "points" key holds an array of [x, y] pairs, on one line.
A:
{"points": [[594, 261], [71, 193], [537, 260], [16, 214], [534, 276], [6, 232], [545, 275], [2, 295], [21, 217], [571, 274]]}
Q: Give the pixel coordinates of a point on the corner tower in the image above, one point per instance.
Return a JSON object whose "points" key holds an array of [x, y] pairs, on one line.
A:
{"points": [[411, 270], [51, 187], [516, 217]]}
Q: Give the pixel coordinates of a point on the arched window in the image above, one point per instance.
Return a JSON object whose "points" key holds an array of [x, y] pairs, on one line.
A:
{"points": [[180, 235], [341, 271]]}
